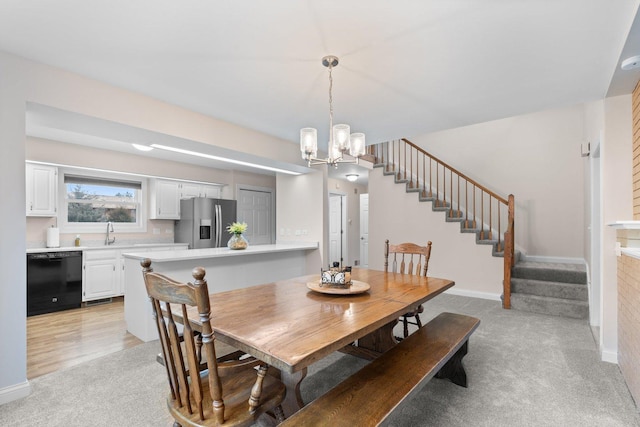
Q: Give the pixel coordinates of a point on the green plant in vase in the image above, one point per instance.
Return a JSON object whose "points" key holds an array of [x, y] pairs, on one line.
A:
{"points": [[237, 240]]}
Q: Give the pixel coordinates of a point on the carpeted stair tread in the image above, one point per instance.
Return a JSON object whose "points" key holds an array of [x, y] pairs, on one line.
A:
{"points": [[557, 289], [443, 207], [551, 306], [464, 229], [453, 219], [571, 291], [552, 272], [486, 241]]}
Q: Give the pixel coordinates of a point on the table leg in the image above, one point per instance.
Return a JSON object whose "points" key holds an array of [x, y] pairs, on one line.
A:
{"points": [[379, 340], [293, 401]]}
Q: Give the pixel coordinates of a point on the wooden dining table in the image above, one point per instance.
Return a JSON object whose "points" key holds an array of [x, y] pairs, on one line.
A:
{"points": [[290, 326]]}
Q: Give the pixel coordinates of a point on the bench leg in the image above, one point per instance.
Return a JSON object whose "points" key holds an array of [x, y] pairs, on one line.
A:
{"points": [[453, 369]]}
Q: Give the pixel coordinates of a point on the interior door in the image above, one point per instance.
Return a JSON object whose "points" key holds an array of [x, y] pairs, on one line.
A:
{"points": [[255, 208], [335, 228], [364, 230]]}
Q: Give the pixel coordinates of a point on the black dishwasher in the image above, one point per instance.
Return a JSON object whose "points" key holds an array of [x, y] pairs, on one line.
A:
{"points": [[54, 281]]}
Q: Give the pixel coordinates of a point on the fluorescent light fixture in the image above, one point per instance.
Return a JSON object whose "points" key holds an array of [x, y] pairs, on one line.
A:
{"points": [[352, 177], [142, 147], [223, 159]]}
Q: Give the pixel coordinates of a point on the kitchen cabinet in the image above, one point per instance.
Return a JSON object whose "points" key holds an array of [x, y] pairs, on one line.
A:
{"points": [[165, 196], [190, 190], [164, 199], [101, 274], [211, 191], [41, 190], [103, 270]]}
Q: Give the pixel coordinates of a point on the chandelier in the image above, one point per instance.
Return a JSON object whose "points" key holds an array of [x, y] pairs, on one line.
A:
{"points": [[341, 141]]}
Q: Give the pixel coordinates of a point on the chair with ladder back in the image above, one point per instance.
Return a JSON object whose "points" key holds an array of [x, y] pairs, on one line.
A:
{"points": [[409, 255], [227, 393]]}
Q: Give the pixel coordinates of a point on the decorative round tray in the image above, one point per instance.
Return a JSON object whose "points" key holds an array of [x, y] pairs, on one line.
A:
{"points": [[356, 287]]}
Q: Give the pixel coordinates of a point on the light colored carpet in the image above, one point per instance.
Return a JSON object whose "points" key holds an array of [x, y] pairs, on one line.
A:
{"points": [[524, 369]]}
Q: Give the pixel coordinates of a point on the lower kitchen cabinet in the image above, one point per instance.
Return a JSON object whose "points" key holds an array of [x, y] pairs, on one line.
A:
{"points": [[103, 270], [100, 274]]}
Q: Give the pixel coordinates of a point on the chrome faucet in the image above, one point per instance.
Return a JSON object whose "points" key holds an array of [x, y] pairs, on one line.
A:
{"points": [[108, 241]]}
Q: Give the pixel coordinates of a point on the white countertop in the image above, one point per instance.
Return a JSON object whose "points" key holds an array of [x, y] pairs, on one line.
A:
{"points": [[625, 224], [190, 254], [632, 252], [90, 248]]}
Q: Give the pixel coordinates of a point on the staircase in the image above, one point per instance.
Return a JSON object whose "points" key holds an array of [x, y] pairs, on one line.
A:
{"points": [[463, 200], [550, 288], [483, 236]]}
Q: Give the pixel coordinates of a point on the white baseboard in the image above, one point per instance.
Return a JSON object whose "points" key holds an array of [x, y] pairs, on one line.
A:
{"points": [[559, 260], [609, 356], [474, 294], [15, 392]]}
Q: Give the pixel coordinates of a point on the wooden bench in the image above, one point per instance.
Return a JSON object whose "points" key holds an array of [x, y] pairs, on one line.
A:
{"points": [[368, 396]]}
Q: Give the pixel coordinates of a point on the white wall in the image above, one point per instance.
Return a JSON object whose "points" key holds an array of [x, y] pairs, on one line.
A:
{"points": [[13, 302], [398, 216], [535, 157], [302, 206], [617, 205], [594, 129]]}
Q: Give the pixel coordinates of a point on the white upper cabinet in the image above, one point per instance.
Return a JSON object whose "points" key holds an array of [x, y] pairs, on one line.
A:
{"points": [[211, 191], [164, 199], [41, 186], [191, 189]]}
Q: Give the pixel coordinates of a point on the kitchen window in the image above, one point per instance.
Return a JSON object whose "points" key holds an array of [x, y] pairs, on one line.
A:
{"points": [[90, 201]]}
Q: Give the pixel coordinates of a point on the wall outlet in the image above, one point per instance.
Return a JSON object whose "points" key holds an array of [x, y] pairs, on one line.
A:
{"points": [[169, 230], [356, 262]]}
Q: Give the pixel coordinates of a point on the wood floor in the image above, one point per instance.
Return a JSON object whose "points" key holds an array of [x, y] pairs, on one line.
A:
{"points": [[67, 338]]}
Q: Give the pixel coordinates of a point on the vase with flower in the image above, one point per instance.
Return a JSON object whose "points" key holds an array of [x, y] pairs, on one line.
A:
{"points": [[237, 240]]}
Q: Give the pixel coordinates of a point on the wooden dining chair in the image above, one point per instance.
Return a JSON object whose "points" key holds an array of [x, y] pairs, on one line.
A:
{"points": [[412, 259], [227, 393]]}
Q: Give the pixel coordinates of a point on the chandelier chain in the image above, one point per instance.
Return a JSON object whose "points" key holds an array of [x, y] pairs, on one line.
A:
{"points": [[330, 105]]}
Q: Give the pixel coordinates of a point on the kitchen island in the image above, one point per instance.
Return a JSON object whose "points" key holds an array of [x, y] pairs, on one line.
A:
{"points": [[226, 270]]}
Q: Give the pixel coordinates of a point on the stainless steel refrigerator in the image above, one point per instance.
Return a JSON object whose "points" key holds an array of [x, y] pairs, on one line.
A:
{"points": [[203, 222]]}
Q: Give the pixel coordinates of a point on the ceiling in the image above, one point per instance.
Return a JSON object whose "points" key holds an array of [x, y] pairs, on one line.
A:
{"points": [[406, 67]]}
